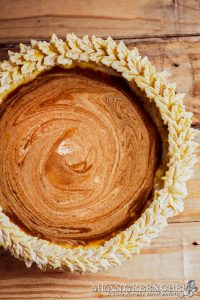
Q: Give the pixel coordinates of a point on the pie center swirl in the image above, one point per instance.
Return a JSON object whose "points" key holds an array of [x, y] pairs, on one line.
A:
{"points": [[78, 157]]}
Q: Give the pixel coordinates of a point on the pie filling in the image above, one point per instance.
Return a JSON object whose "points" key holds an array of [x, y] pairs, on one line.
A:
{"points": [[78, 156]]}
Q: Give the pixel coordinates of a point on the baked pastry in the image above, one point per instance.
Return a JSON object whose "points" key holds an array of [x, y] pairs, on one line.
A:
{"points": [[96, 148]]}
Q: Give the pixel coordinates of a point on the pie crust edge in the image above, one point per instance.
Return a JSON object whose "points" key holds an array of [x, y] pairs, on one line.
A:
{"points": [[23, 67]]}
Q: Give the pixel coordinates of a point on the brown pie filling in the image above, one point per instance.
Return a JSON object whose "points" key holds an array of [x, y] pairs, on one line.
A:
{"points": [[78, 156]]}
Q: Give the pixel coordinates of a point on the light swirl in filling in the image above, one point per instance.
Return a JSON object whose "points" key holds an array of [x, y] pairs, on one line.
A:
{"points": [[78, 156]]}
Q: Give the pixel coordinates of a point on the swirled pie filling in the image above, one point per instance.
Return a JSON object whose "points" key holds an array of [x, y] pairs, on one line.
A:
{"points": [[78, 156]]}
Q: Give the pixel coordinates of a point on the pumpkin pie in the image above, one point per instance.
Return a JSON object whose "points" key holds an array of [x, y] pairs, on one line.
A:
{"points": [[96, 148]]}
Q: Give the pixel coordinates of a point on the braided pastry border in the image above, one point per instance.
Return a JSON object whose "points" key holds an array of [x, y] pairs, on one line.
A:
{"points": [[32, 60]]}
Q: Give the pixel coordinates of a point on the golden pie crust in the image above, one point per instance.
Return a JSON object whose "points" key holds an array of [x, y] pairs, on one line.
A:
{"points": [[114, 58]]}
